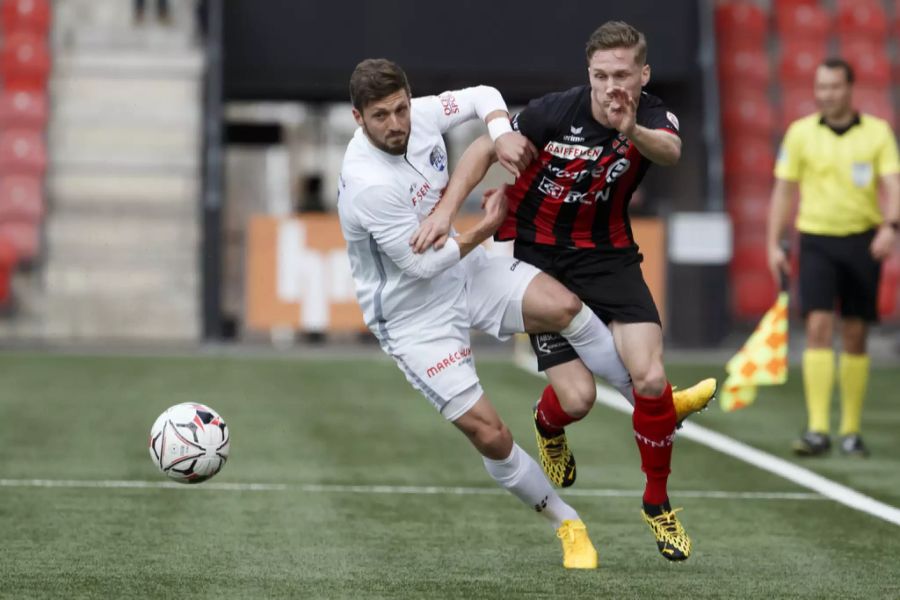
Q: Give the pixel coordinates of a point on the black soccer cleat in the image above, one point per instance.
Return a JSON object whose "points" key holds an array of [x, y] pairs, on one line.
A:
{"points": [[852, 445], [812, 443]]}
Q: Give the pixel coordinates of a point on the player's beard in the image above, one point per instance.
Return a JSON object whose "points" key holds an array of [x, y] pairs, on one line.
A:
{"points": [[392, 144]]}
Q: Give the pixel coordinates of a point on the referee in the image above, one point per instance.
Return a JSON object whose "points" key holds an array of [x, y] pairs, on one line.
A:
{"points": [[837, 158]]}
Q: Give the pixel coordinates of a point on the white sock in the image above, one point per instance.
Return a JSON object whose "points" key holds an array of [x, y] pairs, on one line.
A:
{"points": [[520, 474], [594, 343]]}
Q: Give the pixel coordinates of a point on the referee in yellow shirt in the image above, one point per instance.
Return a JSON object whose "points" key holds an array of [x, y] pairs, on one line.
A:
{"points": [[837, 157]]}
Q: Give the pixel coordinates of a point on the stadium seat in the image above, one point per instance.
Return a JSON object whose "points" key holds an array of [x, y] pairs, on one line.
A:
{"points": [[749, 210], [875, 101], [22, 152], [24, 62], [8, 260], [21, 198], [748, 116], [744, 21], [748, 157], [24, 236], [890, 287], [872, 69], [750, 67], [796, 103], [23, 108], [753, 293], [862, 18], [31, 16], [798, 62], [803, 21]]}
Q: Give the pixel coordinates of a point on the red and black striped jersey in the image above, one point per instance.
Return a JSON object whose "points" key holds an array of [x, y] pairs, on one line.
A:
{"points": [[576, 193]]}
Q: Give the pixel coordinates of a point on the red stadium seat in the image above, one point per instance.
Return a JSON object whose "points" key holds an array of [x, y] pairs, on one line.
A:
{"points": [[803, 21], [862, 18], [25, 15], [798, 62], [741, 21], [23, 108], [24, 62], [749, 115], [890, 287], [875, 101], [872, 69], [24, 236], [748, 156], [747, 66], [21, 198], [22, 152], [796, 103], [8, 259], [749, 210], [753, 292], [854, 47]]}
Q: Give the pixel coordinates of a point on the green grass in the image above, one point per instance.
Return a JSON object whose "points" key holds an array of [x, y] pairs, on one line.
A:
{"points": [[358, 422]]}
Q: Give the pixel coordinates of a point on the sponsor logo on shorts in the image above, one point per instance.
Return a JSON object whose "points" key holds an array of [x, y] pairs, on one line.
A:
{"points": [[548, 343], [460, 357]]}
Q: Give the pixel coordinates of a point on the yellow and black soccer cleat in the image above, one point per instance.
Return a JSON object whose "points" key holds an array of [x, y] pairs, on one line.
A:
{"points": [[693, 399], [556, 458], [578, 551], [671, 539]]}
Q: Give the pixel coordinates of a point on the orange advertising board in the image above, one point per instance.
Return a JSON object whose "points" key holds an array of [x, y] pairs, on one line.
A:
{"points": [[298, 273]]}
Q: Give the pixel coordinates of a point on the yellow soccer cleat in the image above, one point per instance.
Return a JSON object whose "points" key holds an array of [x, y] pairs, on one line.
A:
{"points": [[578, 551], [671, 539], [556, 458], [693, 399]]}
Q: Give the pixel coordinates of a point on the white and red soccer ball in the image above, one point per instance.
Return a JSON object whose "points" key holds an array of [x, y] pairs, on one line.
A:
{"points": [[189, 442]]}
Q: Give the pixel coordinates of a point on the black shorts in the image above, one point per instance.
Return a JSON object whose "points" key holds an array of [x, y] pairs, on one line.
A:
{"points": [[839, 271], [612, 285]]}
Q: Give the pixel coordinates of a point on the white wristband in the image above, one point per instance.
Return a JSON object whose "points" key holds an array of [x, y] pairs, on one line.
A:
{"points": [[498, 126]]}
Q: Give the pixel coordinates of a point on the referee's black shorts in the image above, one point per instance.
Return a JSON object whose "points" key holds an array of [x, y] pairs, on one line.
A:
{"points": [[612, 285], [839, 271]]}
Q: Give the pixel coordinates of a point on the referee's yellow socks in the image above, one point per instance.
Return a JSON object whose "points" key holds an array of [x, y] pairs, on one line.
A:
{"points": [[854, 377], [818, 383]]}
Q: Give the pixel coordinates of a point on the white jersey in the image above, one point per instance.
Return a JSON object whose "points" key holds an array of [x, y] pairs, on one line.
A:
{"points": [[382, 199]]}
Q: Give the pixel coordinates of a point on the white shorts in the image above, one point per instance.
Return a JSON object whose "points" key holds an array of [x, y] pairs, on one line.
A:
{"points": [[436, 357]]}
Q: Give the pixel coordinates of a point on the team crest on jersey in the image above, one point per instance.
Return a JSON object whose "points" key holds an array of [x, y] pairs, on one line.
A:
{"points": [[438, 158]]}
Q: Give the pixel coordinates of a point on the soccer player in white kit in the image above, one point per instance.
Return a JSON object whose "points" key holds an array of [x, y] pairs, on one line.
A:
{"points": [[422, 306]]}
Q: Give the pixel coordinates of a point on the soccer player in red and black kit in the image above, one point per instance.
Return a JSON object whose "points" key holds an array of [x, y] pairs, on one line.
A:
{"points": [[569, 217]]}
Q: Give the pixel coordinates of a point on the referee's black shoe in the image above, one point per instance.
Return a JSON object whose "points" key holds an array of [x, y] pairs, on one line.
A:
{"points": [[852, 445], [812, 443]]}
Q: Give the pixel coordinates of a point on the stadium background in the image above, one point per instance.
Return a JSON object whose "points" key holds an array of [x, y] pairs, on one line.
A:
{"points": [[166, 193]]}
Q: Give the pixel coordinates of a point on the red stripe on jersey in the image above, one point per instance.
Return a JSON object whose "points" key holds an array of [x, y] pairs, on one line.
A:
{"points": [[583, 227], [618, 231], [516, 193], [545, 219]]}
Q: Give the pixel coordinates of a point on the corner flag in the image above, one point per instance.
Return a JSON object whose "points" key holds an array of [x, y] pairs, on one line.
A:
{"points": [[761, 361]]}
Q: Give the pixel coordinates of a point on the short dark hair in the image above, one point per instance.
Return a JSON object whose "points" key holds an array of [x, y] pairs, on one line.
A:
{"points": [[374, 79], [840, 63], [617, 34]]}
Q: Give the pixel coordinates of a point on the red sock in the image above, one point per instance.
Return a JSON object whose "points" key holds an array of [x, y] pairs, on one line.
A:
{"points": [[654, 431], [550, 415]]}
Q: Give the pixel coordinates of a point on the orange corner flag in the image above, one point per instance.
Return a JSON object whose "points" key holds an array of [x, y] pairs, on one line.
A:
{"points": [[762, 360]]}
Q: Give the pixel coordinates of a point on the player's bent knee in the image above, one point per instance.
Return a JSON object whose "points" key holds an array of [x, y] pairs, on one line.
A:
{"points": [[577, 397], [651, 382], [493, 441]]}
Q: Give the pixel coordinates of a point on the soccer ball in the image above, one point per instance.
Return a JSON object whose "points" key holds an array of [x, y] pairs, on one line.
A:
{"points": [[189, 442]]}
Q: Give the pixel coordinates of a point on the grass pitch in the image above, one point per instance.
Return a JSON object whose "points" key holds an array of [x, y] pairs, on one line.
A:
{"points": [[357, 422]]}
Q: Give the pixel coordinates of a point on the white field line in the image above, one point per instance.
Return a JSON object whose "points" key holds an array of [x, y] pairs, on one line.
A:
{"points": [[768, 462], [378, 489]]}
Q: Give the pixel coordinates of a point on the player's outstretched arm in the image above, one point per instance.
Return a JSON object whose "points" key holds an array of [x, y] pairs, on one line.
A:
{"points": [[472, 167]]}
